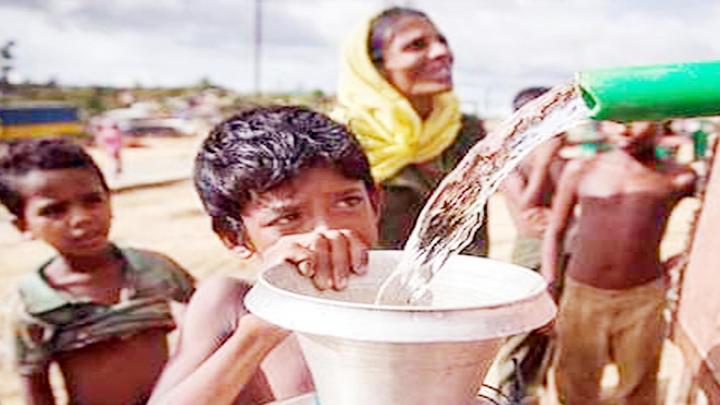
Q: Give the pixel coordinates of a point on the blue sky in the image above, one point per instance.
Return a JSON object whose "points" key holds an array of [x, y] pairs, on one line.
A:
{"points": [[500, 45]]}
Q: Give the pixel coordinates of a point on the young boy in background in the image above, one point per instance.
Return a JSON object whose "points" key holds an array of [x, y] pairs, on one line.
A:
{"points": [[528, 190], [614, 289], [99, 312], [281, 184]]}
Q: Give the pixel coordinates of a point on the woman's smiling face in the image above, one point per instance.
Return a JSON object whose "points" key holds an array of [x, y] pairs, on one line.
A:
{"points": [[416, 58]]}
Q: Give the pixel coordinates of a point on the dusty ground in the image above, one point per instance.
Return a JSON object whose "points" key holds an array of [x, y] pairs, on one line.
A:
{"points": [[168, 218]]}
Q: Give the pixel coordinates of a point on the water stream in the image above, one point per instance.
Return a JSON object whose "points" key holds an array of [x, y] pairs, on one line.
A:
{"points": [[454, 212]]}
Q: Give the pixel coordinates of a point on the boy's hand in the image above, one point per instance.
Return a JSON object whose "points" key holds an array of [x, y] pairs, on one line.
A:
{"points": [[548, 329], [537, 217], [327, 257], [258, 328]]}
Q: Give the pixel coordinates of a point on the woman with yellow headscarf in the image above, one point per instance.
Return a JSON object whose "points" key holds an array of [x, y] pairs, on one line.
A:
{"points": [[395, 93]]}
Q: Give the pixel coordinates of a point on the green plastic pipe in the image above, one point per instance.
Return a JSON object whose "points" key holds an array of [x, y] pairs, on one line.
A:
{"points": [[648, 93]]}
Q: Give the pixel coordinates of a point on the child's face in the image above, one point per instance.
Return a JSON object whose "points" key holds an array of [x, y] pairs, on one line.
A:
{"points": [[67, 208], [630, 134], [318, 199]]}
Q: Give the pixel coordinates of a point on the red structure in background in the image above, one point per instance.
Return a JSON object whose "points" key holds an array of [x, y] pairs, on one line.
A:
{"points": [[697, 330]]}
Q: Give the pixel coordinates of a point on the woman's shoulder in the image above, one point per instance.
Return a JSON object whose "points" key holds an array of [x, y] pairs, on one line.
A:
{"points": [[472, 125], [472, 130]]}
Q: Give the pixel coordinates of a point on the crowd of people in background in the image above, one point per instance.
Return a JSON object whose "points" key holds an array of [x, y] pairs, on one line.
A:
{"points": [[288, 184]]}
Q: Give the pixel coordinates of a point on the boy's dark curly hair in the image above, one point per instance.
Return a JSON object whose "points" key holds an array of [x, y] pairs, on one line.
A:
{"points": [[261, 148], [20, 157]]}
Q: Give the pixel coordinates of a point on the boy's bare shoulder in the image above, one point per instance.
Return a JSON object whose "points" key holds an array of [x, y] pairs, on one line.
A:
{"points": [[575, 165], [224, 287], [683, 177], [674, 169], [575, 168], [222, 297]]}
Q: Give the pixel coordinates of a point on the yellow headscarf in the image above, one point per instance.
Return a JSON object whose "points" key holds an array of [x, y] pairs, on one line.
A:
{"points": [[391, 132]]}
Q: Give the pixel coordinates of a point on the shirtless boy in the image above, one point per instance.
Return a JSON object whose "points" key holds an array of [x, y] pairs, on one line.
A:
{"points": [[281, 184], [528, 191], [100, 312], [614, 291]]}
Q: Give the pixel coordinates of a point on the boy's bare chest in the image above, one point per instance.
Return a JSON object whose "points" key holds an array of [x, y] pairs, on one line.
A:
{"points": [[121, 369], [605, 182]]}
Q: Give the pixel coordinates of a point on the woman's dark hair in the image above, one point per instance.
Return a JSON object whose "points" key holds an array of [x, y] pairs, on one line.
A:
{"points": [[380, 28], [20, 157], [261, 148]]}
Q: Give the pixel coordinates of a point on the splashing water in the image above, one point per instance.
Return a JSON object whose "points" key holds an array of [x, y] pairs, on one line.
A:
{"points": [[454, 212]]}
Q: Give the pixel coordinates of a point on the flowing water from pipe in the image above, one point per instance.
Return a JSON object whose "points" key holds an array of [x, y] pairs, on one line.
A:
{"points": [[454, 212]]}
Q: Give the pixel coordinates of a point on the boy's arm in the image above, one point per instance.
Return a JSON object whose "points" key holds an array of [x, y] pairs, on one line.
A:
{"points": [[531, 195], [36, 388], [685, 180], [29, 357], [562, 211], [222, 345], [220, 349], [177, 310], [521, 193], [512, 187]]}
